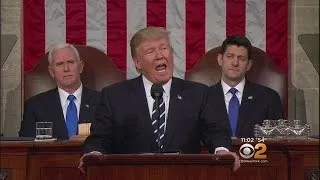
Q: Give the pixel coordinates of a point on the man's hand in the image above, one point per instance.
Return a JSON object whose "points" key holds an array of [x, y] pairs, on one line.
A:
{"points": [[236, 158], [93, 153]]}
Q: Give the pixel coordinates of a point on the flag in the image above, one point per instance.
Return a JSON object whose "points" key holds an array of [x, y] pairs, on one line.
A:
{"points": [[195, 27]]}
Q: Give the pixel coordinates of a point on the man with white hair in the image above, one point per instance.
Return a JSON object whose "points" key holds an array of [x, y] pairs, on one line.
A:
{"points": [[65, 106]]}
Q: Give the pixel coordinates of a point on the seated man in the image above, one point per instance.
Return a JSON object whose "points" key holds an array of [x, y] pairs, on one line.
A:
{"points": [[126, 119], [244, 103], [65, 106]]}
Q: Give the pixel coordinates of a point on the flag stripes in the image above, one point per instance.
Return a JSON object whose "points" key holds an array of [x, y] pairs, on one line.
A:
{"points": [[196, 26]]}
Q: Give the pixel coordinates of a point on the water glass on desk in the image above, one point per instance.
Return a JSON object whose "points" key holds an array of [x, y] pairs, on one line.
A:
{"points": [[43, 130]]}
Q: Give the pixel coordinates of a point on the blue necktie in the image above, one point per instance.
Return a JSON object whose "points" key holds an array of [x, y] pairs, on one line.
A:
{"points": [[72, 117], [161, 121], [233, 111]]}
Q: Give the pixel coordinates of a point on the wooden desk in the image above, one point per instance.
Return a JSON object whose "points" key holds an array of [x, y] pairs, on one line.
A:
{"points": [[287, 159], [159, 167], [14, 158], [303, 156], [41, 160]]}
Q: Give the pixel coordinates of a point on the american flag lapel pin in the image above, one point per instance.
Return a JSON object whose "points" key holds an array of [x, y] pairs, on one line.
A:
{"points": [[179, 97], [250, 97]]}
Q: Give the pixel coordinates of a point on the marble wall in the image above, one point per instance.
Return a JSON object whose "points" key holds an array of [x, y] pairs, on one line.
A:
{"points": [[304, 19], [11, 70]]}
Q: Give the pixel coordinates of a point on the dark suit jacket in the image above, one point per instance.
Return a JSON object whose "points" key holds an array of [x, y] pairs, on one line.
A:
{"points": [[123, 123], [46, 106], [258, 103]]}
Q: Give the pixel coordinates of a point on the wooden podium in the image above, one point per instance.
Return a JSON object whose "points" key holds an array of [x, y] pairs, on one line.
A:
{"points": [[287, 160], [159, 167]]}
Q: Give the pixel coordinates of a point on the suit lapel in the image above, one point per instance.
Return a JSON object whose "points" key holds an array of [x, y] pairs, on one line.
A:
{"points": [[84, 116], [59, 124], [141, 107], [173, 112], [246, 106], [220, 100]]}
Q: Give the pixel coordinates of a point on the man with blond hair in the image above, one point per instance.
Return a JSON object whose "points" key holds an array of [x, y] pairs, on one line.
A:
{"points": [[126, 120], [65, 106]]}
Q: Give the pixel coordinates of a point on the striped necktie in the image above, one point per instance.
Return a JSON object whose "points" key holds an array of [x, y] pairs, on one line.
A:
{"points": [[161, 121]]}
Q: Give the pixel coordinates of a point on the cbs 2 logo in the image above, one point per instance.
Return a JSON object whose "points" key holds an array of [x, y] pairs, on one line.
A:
{"points": [[246, 151]]}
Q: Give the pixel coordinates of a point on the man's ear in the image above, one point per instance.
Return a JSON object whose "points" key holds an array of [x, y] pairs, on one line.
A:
{"points": [[81, 66], [249, 64], [51, 71], [219, 58], [137, 63]]}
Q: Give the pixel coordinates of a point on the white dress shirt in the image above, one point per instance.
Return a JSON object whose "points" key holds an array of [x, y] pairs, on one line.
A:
{"points": [[228, 95], [65, 102], [166, 97]]}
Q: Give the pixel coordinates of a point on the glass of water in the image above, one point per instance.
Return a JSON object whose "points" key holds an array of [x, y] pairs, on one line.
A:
{"points": [[296, 123], [43, 130], [267, 123]]}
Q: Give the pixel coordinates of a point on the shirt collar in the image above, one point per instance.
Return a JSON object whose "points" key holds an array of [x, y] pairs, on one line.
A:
{"points": [[239, 86], [148, 84], [64, 94]]}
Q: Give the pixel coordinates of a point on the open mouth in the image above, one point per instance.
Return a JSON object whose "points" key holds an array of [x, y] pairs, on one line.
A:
{"points": [[161, 68]]}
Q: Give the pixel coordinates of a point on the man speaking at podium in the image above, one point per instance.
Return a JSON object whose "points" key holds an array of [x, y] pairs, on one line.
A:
{"points": [[156, 112]]}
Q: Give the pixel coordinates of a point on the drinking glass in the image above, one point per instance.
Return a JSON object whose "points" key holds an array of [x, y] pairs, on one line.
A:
{"points": [[43, 130]]}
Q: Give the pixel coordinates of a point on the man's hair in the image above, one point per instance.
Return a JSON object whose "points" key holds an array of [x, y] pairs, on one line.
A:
{"points": [[238, 41], [61, 46], [148, 33]]}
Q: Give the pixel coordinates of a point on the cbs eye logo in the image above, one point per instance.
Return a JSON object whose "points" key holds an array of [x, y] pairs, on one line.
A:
{"points": [[247, 151]]}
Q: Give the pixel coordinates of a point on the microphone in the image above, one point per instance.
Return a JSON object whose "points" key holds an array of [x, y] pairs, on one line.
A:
{"points": [[156, 93]]}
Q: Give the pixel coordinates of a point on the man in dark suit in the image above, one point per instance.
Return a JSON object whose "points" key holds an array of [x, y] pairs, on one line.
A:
{"points": [[244, 103], [126, 121], [65, 106]]}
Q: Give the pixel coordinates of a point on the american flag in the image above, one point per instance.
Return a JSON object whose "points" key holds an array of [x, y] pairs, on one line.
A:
{"points": [[196, 26]]}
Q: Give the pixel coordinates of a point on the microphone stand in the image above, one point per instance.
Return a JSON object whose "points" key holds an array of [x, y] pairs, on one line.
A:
{"points": [[158, 121]]}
